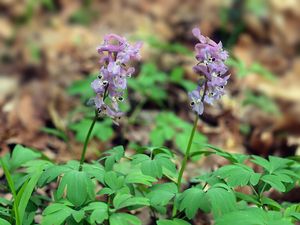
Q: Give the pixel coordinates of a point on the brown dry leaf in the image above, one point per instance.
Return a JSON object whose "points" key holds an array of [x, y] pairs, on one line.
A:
{"points": [[27, 113]]}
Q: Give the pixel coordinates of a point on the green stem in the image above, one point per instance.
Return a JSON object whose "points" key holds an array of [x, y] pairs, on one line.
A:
{"points": [[255, 192], [262, 190], [184, 161], [87, 141], [187, 153]]}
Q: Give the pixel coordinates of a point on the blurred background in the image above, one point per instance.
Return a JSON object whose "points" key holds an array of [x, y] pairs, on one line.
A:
{"points": [[48, 59]]}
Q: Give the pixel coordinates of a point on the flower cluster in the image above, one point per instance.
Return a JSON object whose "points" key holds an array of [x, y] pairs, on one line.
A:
{"points": [[211, 57], [115, 53]]}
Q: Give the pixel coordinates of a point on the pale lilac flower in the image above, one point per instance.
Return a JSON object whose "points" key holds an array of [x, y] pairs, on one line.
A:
{"points": [[111, 83], [196, 101], [211, 66]]}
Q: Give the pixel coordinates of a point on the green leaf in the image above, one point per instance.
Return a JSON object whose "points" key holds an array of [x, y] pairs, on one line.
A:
{"points": [[125, 200], [283, 177], [114, 181], [247, 198], [56, 214], [152, 168], [177, 74], [78, 186], [102, 130], [241, 69], [114, 155], [168, 166], [83, 16], [274, 181], [5, 212], [25, 193], [94, 170], [238, 175], [191, 200], [98, 210], [51, 173], [124, 219], [22, 155], [161, 194], [222, 200], [293, 211], [172, 222], [106, 191], [55, 132], [82, 88], [172, 128], [270, 202], [278, 163], [157, 167], [78, 215], [252, 216], [4, 201], [139, 178], [4, 222], [233, 158], [150, 83], [154, 42], [158, 137], [258, 68], [13, 191], [262, 162], [288, 172], [262, 102]]}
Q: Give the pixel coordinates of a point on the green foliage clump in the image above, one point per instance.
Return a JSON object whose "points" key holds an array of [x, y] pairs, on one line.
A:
{"points": [[129, 183]]}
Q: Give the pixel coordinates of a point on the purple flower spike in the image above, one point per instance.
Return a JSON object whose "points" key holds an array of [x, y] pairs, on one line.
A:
{"points": [[211, 66], [115, 53]]}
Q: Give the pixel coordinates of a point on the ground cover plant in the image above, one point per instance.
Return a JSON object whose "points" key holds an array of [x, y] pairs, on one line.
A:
{"points": [[118, 185]]}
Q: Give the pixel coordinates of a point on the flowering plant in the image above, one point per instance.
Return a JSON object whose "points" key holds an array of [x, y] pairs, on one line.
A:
{"points": [[119, 186], [212, 69], [115, 53]]}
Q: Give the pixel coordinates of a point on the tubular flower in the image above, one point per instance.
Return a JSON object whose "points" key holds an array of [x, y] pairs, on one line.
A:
{"points": [[211, 67], [115, 53]]}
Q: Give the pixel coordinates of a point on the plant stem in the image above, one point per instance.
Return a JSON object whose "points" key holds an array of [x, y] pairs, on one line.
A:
{"points": [[255, 192], [185, 159], [87, 141], [187, 153], [262, 190]]}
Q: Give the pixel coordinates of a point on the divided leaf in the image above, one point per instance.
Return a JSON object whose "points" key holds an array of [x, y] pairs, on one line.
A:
{"points": [[169, 127], [102, 130], [124, 219], [172, 222], [222, 200], [21, 155], [252, 216], [137, 177], [98, 212], [161, 194], [113, 155], [125, 200], [238, 175], [191, 200], [114, 181], [56, 213], [160, 165], [275, 182]]}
